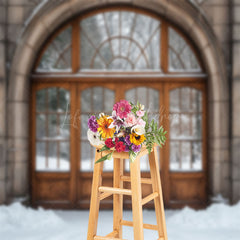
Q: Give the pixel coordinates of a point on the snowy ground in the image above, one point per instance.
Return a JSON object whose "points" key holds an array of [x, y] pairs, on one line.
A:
{"points": [[218, 222]]}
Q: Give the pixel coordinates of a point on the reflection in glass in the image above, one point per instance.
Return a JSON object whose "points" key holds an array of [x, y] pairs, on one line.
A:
{"points": [[58, 54], [120, 40], [181, 56], [52, 129], [185, 129]]}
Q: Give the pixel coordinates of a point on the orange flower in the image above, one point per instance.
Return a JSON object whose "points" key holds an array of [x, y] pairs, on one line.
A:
{"points": [[104, 129]]}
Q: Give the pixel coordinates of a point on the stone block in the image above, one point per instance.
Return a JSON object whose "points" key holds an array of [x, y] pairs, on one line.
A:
{"points": [[2, 14], [236, 54], [17, 2], [210, 62], [2, 109], [15, 14], [222, 32], [18, 119], [17, 143], [2, 32], [236, 191], [20, 91], [36, 35], [216, 2], [215, 178], [236, 32], [21, 183], [236, 14], [57, 16], [2, 60], [220, 14], [217, 88], [2, 156], [14, 31], [28, 56], [2, 173], [219, 143], [17, 155], [218, 112], [236, 108], [2, 192], [236, 2]]}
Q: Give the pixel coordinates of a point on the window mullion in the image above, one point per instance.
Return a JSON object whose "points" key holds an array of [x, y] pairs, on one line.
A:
{"points": [[75, 46], [164, 47]]}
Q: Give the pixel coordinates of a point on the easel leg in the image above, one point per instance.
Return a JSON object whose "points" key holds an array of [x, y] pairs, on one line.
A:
{"points": [[158, 202], [95, 202], [117, 198], [136, 199]]}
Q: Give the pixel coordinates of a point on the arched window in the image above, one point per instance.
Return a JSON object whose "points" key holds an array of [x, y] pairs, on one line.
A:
{"points": [[95, 60]]}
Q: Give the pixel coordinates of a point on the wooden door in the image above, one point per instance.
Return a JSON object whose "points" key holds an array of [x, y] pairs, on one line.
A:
{"points": [[86, 66]]}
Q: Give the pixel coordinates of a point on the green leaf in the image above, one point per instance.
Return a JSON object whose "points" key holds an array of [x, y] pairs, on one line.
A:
{"points": [[132, 156], [104, 148], [104, 158]]}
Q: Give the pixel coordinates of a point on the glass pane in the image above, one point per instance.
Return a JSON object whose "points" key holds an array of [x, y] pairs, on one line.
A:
{"points": [[41, 125], [52, 127], [64, 156], [52, 156], [58, 54], [109, 99], [41, 97], [64, 128], [174, 156], [186, 127], [86, 100], [87, 158], [93, 101], [52, 99], [120, 40], [197, 156], [181, 56], [41, 156]]}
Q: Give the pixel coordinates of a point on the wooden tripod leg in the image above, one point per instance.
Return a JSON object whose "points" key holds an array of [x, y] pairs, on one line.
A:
{"points": [[95, 201], [117, 198], [158, 202], [136, 199]]}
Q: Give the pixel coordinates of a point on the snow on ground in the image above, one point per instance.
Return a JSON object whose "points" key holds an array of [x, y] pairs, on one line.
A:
{"points": [[218, 222]]}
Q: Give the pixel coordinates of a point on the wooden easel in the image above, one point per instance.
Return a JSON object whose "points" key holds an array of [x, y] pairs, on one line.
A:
{"points": [[100, 192]]}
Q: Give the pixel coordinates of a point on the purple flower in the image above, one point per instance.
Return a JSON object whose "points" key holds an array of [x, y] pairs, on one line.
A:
{"points": [[127, 140], [126, 148], [136, 148], [92, 124]]}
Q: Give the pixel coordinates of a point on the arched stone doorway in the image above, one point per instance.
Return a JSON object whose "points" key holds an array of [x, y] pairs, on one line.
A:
{"points": [[43, 24]]}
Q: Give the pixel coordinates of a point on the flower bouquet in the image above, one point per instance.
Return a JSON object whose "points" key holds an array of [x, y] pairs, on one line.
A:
{"points": [[126, 130]]}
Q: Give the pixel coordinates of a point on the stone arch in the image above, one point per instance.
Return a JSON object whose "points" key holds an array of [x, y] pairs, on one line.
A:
{"points": [[52, 14]]}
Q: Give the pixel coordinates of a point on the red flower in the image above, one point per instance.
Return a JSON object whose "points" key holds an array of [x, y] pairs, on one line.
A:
{"points": [[109, 143], [120, 147]]}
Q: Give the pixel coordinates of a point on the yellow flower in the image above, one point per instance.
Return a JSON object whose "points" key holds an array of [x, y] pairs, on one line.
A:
{"points": [[103, 129], [137, 139]]}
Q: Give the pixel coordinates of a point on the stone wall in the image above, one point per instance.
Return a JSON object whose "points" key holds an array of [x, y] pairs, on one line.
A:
{"points": [[2, 104], [15, 16], [235, 168]]}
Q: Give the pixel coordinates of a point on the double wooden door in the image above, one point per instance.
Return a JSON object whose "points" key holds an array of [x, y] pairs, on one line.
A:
{"points": [[62, 159]]}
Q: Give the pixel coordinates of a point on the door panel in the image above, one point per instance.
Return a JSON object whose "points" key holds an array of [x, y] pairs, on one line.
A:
{"points": [[186, 174], [64, 159]]}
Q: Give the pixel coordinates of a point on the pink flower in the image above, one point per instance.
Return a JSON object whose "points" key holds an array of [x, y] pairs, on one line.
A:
{"points": [[122, 108], [130, 120], [140, 113], [141, 122]]}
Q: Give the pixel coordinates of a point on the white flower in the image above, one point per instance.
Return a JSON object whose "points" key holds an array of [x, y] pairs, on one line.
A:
{"points": [[94, 138], [138, 129]]}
